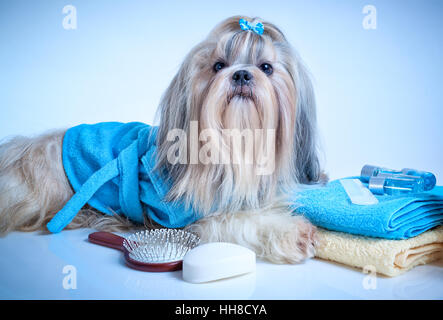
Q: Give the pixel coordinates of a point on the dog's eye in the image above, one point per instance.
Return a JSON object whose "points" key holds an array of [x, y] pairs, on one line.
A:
{"points": [[266, 68], [218, 66]]}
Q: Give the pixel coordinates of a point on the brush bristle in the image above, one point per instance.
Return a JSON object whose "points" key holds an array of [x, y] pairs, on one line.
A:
{"points": [[160, 245]]}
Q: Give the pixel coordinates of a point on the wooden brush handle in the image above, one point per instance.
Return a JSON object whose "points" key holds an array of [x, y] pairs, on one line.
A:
{"points": [[107, 239]]}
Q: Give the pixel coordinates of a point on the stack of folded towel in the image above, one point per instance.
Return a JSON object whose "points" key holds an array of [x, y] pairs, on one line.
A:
{"points": [[393, 236], [389, 257]]}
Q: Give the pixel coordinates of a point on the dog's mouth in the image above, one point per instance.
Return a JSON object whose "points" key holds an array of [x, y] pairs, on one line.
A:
{"points": [[241, 92]]}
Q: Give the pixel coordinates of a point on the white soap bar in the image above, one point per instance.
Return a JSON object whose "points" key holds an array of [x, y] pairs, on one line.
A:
{"points": [[217, 260], [358, 193]]}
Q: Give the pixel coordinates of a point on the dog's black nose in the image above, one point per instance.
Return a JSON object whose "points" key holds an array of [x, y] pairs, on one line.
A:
{"points": [[242, 77]]}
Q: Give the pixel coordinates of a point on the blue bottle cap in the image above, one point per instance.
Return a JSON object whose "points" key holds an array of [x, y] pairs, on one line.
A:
{"points": [[377, 184], [368, 171]]}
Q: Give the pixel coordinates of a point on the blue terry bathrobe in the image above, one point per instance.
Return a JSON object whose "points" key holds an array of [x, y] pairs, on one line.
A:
{"points": [[110, 167]]}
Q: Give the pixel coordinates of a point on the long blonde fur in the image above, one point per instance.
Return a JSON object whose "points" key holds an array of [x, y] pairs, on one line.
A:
{"points": [[239, 205]]}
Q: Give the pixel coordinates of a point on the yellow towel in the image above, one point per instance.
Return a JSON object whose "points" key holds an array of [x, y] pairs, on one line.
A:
{"points": [[389, 257]]}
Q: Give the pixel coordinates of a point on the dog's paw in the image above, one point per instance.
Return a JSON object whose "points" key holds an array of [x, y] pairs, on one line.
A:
{"points": [[295, 243], [306, 238]]}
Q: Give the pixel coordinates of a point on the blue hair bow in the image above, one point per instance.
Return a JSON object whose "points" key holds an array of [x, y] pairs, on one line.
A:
{"points": [[258, 28]]}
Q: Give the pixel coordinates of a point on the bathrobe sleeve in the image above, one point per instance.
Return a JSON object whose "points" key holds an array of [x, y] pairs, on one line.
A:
{"points": [[110, 167]]}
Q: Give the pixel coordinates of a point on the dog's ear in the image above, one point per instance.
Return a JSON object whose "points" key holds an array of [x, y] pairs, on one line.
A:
{"points": [[173, 106], [176, 105], [306, 149], [171, 114]]}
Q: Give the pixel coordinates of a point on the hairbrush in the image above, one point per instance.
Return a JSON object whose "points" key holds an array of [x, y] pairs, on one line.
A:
{"points": [[155, 250]]}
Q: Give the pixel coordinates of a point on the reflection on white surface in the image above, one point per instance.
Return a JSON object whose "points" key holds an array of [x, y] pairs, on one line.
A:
{"points": [[32, 268], [418, 284], [241, 287]]}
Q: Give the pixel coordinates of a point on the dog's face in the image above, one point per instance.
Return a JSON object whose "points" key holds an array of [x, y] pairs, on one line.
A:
{"points": [[250, 82], [242, 81]]}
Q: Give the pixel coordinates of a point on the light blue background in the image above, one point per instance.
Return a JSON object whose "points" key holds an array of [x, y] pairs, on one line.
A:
{"points": [[379, 91]]}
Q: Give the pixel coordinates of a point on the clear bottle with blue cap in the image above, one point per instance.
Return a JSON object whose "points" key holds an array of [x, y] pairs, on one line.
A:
{"points": [[393, 182]]}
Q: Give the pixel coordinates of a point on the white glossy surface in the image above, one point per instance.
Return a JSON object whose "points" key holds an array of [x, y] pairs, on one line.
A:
{"points": [[32, 265], [217, 260]]}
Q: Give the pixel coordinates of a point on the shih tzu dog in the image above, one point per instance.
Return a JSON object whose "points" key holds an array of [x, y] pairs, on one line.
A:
{"points": [[244, 81]]}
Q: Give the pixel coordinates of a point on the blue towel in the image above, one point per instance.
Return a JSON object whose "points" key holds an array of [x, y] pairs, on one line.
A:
{"points": [[394, 217], [110, 166]]}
